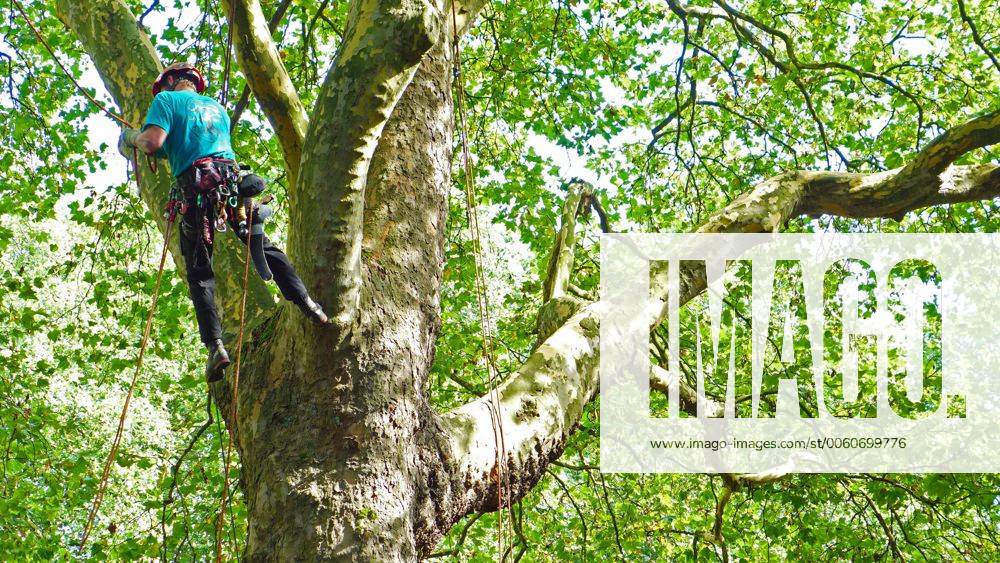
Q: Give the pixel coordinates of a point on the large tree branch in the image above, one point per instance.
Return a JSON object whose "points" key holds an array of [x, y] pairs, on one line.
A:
{"points": [[383, 45], [266, 75], [244, 99], [543, 402], [564, 249]]}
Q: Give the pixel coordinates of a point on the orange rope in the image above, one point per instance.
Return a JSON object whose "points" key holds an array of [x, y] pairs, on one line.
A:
{"points": [[114, 116], [102, 485], [44, 43], [128, 397], [220, 519]]}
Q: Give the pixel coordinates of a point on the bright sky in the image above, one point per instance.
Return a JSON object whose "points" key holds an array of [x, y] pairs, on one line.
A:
{"points": [[102, 130]]}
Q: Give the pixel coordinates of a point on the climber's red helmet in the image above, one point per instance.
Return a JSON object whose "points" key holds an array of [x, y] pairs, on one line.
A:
{"points": [[189, 71]]}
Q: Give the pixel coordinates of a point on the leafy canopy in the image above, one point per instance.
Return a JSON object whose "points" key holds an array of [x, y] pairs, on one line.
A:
{"points": [[670, 116]]}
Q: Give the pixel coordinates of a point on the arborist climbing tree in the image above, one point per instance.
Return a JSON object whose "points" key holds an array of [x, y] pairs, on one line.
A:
{"points": [[192, 132], [387, 433]]}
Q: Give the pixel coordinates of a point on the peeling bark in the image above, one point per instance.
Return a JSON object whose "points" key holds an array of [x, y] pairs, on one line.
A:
{"points": [[356, 456], [342, 455], [542, 403]]}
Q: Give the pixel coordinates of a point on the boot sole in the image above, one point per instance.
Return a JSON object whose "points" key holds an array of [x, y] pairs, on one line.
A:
{"points": [[218, 371]]}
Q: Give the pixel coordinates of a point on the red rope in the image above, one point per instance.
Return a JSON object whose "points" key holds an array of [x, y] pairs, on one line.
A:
{"points": [[116, 442], [114, 116]]}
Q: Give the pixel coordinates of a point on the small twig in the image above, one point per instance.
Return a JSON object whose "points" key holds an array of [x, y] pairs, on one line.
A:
{"points": [[147, 12], [582, 467], [461, 539], [583, 521], [611, 512], [176, 469]]}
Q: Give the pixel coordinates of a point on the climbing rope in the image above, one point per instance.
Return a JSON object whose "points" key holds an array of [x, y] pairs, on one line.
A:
{"points": [[234, 399], [48, 48], [224, 96], [102, 486], [482, 299]]}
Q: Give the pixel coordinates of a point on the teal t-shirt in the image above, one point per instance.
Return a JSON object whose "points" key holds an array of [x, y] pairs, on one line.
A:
{"points": [[197, 126]]}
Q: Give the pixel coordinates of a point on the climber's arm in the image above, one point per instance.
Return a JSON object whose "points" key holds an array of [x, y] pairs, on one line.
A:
{"points": [[151, 139], [154, 131]]}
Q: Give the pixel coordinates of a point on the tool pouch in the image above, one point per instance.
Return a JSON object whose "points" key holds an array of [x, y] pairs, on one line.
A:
{"points": [[206, 175], [250, 185]]}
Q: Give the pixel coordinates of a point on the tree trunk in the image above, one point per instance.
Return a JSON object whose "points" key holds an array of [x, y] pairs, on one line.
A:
{"points": [[337, 437]]}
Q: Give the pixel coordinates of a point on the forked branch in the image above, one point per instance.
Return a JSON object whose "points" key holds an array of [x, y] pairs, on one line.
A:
{"points": [[383, 45]]}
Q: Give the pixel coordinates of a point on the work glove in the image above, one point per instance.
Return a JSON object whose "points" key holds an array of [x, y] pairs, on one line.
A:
{"points": [[126, 142]]}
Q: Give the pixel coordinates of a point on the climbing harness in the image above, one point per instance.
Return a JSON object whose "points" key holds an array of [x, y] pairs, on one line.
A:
{"points": [[486, 327], [213, 188]]}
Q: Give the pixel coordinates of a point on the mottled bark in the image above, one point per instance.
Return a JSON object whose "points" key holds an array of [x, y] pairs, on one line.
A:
{"points": [[561, 260], [383, 44], [340, 435], [268, 80]]}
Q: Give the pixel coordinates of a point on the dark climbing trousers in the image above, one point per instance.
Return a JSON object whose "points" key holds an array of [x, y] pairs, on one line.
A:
{"points": [[201, 278]]}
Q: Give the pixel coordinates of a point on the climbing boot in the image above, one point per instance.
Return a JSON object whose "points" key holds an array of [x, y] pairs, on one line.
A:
{"points": [[218, 359], [313, 310]]}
